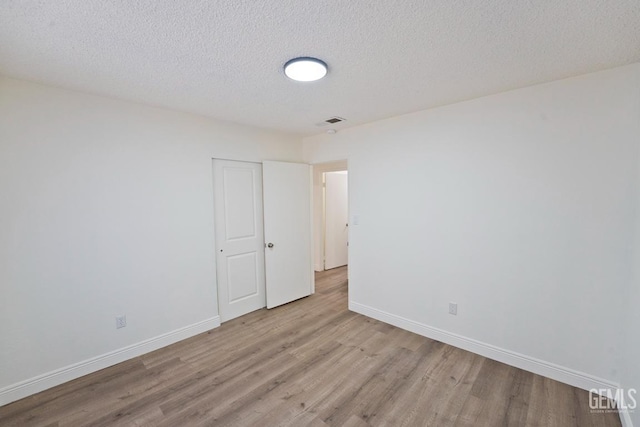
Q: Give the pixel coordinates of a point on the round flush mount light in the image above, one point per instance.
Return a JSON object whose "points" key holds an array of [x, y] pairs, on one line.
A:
{"points": [[305, 69]]}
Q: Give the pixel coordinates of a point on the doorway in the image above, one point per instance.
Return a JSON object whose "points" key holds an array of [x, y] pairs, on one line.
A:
{"points": [[336, 219], [338, 223]]}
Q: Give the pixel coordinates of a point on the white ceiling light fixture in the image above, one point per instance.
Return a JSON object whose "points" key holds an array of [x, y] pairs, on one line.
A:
{"points": [[305, 69]]}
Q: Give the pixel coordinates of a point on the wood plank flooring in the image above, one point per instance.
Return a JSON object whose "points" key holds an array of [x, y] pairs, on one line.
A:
{"points": [[308, 363]]}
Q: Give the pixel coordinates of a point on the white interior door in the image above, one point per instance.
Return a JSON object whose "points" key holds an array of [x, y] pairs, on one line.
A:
{"points": [[239, 237], [336, 215], [287, 230]]}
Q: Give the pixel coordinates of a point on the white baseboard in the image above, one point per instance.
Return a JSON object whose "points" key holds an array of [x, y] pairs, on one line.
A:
{"points": [[540, 367], [59, 376]]}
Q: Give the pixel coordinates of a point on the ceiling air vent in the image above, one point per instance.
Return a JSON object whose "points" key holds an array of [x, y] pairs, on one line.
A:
{"points": [[331, 121]]}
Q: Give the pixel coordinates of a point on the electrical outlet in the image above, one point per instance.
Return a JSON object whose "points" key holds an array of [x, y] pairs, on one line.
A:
{"points": [[121, 322], [453, 308]]}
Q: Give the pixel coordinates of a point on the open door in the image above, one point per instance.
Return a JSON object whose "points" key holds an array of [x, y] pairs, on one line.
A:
{"points": [[336, 220], [287, 231]]}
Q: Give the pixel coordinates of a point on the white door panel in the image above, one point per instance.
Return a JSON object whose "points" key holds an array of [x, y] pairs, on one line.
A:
{"points": [[336, 220], [242, 272], [239, 237], [239, 202], [287, 222]]}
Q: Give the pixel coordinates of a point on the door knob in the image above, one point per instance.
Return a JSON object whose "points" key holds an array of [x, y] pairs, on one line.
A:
{"points": [[269, 245]]}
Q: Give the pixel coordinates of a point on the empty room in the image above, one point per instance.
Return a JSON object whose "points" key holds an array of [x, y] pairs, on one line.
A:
{"points": [[319, 213]]}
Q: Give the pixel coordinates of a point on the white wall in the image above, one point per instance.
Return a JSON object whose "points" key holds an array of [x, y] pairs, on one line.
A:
{"points": [[631, 322], [106, 208], [520, 207], [631, 370]]}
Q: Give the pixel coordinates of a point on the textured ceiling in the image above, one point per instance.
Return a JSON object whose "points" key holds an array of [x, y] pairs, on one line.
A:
{"points": [[223, 58]]}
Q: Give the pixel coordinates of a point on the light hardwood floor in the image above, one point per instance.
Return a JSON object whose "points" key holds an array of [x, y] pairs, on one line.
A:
{"points": [[308, 363]]}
